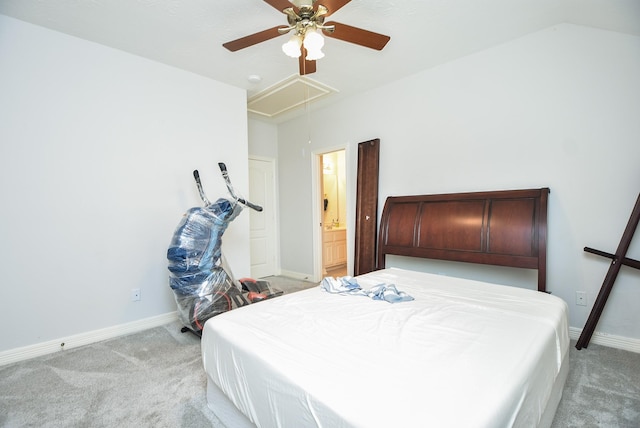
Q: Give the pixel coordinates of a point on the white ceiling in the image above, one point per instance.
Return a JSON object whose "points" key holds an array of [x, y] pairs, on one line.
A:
{"points": [[188, 34]]}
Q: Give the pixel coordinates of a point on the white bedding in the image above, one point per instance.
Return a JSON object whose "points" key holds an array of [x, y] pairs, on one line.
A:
{"points": [[463, 353]]}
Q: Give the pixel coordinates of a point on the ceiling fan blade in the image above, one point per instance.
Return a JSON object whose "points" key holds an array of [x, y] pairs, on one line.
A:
{"points": [[253, 39], [280, 4], [356, 35], [333, 5], [306, 67]]}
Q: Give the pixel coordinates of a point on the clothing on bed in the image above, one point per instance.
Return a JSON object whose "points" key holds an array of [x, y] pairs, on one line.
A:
{"points": [[348, 285]]}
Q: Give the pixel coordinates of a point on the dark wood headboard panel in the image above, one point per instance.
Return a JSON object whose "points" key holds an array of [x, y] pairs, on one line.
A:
{"points": [[505, 228]]}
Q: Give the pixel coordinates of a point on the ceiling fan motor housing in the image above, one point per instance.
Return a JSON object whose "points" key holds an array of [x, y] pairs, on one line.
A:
{"points": [[306, 19]]}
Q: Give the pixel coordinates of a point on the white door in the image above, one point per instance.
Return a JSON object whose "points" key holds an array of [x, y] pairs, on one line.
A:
{"points": [[263, 242]]}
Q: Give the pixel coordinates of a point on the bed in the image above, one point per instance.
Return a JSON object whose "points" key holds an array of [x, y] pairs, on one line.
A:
{"points": [[461, 353]]}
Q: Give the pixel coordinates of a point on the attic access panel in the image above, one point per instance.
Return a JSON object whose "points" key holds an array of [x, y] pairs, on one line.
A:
{"points": [[286, 95]]}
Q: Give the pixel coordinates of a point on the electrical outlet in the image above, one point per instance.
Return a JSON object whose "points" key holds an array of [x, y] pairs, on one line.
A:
{"points": [[135, 294], [581, 298]]}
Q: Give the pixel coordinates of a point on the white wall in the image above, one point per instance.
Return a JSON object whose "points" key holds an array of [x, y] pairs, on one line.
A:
{"points": [[263, 139], [557, 108], [97, 148]]}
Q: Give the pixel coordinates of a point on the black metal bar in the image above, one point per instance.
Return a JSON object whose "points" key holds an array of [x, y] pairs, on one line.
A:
{"points": [[225, 175]]}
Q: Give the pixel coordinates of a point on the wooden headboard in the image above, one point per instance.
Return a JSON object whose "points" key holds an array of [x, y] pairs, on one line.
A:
{"points": [[505, 228]]}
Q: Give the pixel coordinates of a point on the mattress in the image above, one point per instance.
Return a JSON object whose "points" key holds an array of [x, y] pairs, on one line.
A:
{"points": [[462, 353]]}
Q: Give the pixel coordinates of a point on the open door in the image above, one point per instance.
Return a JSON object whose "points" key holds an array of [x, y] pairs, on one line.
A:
{"points": [[366, 207]]}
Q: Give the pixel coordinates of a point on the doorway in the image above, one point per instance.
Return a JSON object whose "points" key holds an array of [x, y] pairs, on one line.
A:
{"points": [[333, 212]]}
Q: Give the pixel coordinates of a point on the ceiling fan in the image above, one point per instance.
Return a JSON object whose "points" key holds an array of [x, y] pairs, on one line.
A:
{"points": [[305, 22]]}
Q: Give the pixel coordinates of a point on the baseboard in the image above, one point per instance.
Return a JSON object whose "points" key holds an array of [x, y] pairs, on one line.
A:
{"points": [[610, 340], [297, 275], [32, 351]]}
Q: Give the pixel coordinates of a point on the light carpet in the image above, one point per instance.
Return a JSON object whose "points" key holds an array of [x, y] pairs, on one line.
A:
{"points": [[155, 379]]}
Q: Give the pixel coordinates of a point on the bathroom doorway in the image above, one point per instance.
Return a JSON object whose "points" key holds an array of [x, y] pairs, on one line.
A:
{"points": [[333, 215]]}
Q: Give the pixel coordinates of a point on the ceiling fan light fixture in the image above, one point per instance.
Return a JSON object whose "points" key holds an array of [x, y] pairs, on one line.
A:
{"points": [[292, 47], [313, 40], [313, 43], [314, 54], [306, 21]]}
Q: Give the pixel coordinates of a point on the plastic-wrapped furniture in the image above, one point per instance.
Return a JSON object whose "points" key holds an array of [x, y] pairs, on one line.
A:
{"points": [[199, 275]]}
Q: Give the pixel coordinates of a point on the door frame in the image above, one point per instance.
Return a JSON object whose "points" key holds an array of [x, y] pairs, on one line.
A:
{"points": [[317, 208]]}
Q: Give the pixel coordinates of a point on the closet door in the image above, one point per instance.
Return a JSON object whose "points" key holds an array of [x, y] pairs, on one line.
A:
{"points": [[366, 207]]}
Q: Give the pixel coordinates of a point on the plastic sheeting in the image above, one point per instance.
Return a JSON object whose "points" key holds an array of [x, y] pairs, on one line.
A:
{"points": [[201, 280]]}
